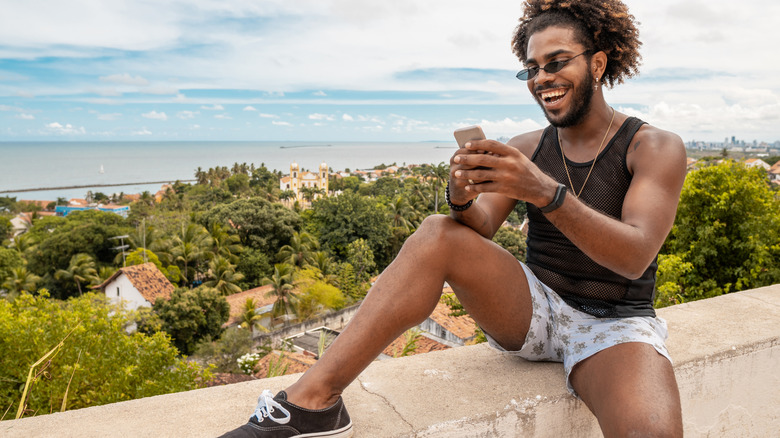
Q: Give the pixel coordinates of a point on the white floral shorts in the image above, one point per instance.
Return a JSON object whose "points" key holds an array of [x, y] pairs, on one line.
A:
{"points": [[561, 333]]}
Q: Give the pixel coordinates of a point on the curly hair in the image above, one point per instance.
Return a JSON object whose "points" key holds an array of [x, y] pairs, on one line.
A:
{"points": [[600, 25]]}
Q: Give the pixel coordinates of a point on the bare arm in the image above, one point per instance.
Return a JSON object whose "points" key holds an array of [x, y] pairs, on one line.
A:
{"points": [[627, 246]]}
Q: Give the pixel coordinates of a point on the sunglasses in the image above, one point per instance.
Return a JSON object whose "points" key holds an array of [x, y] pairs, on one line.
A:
{"points": [[551, 67]]}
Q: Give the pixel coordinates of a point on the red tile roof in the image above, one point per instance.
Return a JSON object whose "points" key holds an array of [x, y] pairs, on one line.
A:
{"points": [[236, 301], [460, 326], [147, 279], [424, 345], [295, 363]]}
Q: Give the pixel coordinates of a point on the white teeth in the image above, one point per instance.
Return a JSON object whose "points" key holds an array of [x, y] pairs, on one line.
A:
{"points": [[552, 94]]}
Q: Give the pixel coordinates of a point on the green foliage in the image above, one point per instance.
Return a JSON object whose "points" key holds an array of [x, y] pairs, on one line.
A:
{"points": [[255, 266], [672, 271], [224, 352], [81, 271], [282, 290], [260, 224], [106, 363], [5, 228], [345, 218], [223, 276], [360, 256], [59, 239], [512, 240], [316, 296], [411, 337], [10, 259], [19, 280], [172, 272], [348, 282], [192, 315], [726, 234]]}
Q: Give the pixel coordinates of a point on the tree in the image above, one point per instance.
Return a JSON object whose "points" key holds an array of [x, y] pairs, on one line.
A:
{"points": [[81, 270], [10, 259], [224, 242], [249, 317], [259, 223], [255, 266], [192, 315], [282, 289], [512, 240], [224, 352], [342, 219], [440, 173], [300, 251], [223, 276], [728, 229], [189, 249], [361, 257], [20, 280], [98, 363]]}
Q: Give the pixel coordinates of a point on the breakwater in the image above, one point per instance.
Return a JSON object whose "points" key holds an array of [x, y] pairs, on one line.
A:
{"points": [[89, 186]]}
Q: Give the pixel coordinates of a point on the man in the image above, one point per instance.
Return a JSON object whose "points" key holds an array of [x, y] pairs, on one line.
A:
{"points": [[602, 191]]}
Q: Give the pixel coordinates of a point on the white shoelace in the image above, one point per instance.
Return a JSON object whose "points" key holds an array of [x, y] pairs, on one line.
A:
{"points": [[266, 405]]}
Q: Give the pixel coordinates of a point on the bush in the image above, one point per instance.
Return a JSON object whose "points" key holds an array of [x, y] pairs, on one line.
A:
{"points": [[98, 362]]}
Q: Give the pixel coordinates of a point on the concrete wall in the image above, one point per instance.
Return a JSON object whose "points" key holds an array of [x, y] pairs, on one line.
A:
{"points": [[726, 352]]}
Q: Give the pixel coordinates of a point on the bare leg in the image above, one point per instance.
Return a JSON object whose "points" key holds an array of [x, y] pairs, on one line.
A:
{"points": [[632, 391], [489, 282]]}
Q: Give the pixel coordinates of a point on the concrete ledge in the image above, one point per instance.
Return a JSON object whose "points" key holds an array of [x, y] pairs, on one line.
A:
{"points": [[726, 352]]}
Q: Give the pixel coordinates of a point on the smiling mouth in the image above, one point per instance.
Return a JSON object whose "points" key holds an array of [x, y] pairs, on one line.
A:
{"points": [[552, 95]]}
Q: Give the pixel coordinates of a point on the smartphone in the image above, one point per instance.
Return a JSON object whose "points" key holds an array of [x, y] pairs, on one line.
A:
{"points": [[467, 134]]}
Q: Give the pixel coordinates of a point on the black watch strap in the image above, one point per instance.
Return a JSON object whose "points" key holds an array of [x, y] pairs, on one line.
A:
{"points": [[560, 195]]}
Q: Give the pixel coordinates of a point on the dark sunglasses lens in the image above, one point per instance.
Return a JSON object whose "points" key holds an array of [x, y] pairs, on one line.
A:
{"points": [[555, 66], [527, 74]]}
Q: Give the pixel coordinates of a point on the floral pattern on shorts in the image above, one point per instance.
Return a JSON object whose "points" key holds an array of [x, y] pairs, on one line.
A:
{"points": [[561, 333]]}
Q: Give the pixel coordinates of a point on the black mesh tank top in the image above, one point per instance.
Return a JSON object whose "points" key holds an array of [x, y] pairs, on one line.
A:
{"points": [[581, 282]]}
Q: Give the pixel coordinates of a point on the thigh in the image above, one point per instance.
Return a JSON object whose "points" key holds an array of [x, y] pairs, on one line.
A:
{"points": [[631, 389], [490, 283]]}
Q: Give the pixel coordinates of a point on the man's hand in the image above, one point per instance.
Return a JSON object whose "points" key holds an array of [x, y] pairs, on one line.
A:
{"points": [[488, 166]]}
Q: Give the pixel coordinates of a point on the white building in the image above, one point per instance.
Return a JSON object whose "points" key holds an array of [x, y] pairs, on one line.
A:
{"points": [[297, 180], [137, 286]]}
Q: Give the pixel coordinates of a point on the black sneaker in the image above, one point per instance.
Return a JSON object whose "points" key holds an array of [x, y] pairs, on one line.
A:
{"points": [[275, 417]]}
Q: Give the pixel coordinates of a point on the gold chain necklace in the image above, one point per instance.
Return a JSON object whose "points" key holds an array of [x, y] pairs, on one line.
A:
{"points": [[560, 145]]}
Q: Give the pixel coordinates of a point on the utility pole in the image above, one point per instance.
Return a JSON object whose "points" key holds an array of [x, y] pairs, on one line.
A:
{"points": [[122, 247]]}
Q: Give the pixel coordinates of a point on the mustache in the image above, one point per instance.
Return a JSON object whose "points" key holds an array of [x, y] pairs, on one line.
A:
{"points": [[540, 88]]}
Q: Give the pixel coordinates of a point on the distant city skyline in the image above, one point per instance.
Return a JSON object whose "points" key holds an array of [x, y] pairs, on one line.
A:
{"points": [[346, 70]]}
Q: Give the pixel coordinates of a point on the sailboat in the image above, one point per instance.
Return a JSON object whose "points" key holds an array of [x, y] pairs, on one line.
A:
{"points": [[101, 169]]}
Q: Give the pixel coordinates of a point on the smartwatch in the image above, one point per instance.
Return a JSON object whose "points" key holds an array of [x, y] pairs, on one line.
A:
{"points": [[560, 195]]}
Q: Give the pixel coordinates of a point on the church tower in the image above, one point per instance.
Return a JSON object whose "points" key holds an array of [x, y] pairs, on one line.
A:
{"points": [[295, 179], [323, 177]]}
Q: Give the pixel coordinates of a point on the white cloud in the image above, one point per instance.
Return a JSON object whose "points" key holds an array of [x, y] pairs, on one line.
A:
{"points": [[25, 94], [250, 108], [143, 131], [268, 116], [124, 79], [317, 116], [24, 116], [319, 93], [184, 115], [214, 107], [11, 108], [160, 90], [154, 115], [109, 116], [66, 129], [278, 123], [223, 117], [347, 118]]}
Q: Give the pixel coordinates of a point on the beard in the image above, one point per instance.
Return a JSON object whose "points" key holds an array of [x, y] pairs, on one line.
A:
{"points": [[581, 99]]}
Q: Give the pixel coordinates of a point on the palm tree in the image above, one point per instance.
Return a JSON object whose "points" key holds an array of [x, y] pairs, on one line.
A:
{"points": [[300, 250], [249, 317], [81, 271], [225, 243], [104, 273], [189, 249], [20, 280], [201, 176], [439, 172], [223, 276], [324, 263], [282, 288], [400, 213]]}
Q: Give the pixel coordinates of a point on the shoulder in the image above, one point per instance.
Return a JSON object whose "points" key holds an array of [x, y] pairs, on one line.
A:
{"points": [[527, 142], [652, 147]]}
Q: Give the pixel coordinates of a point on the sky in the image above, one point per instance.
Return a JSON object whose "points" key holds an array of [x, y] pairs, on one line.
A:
{"points": [[356, 70]]}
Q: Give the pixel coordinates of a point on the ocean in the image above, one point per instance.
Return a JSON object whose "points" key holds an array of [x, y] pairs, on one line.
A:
{"points": [[28, 165]]}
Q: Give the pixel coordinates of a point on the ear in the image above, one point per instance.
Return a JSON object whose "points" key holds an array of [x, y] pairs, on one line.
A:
{"points": [[598, 64]]}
